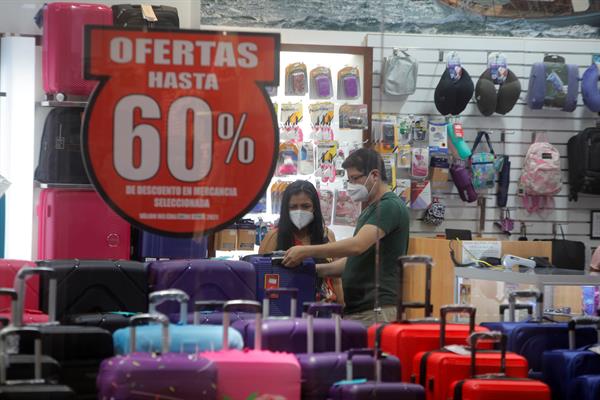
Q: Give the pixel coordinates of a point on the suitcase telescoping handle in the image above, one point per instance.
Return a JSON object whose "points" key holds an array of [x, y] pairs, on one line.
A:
{"points": [[311, 310], [155, 317], [583, 320], [37, 355], [524, 294], [426, 305], [19, 285], [369, 352], [292, 292], [494, 336], [8, 292], [157, 298], [455, 309], [209, 305], [503, 307], [242, 304]]}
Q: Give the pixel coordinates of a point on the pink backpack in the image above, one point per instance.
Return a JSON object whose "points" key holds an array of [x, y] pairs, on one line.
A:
{"points": [[541, 178], [595, 264]]}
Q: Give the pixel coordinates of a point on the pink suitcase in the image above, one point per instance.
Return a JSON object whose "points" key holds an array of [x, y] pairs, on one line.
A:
{"points": [[254, 373], [62, 46], [8, 272], [76, 223]]}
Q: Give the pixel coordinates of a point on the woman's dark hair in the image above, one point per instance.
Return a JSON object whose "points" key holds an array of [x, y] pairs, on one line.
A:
{"points": [[366, 160], [286, 229]]}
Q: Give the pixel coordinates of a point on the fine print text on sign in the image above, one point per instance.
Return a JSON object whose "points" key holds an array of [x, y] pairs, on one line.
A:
{"points": [[180, 137]]}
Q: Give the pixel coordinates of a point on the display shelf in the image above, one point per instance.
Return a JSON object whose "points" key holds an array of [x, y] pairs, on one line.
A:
{"points": [[67, 103]]}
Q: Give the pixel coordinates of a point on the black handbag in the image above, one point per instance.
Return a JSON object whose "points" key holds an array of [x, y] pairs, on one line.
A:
{"points": [[568, 254]]}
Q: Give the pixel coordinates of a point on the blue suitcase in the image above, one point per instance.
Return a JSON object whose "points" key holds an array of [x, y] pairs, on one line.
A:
{"points": [[362, 389], [183, 338], [585, 387], [152, 246], [270, 274], [531, 338], [561, 367]]}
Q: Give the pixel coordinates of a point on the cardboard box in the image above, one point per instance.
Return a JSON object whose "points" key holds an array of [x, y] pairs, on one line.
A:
{"points": [[226, 239]]}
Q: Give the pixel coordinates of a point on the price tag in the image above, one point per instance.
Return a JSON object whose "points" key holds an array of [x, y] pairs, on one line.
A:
{"points": [[458, 130], [180, 136]]}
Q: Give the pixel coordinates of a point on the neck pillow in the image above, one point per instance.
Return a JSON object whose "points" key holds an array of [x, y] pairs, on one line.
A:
{"points": [[553, 84], [502, 101], [589, 88], [452, 96]]}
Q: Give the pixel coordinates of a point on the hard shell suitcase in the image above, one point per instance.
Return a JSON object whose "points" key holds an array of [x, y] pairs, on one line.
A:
{"points": [[78, 349], [62, 46], [437, 370], [60, 159], [531, 338], [36, 388], [89, 289], [254, 373], [77, 223], [183, 337], [363, 389], [32, 314], [152, 246], [561, 367], [166, 375], [202, 280], [134, 16], [290, 334], [270, 274], [321, 370], [585, 387], [497, 386], [405, 338]]}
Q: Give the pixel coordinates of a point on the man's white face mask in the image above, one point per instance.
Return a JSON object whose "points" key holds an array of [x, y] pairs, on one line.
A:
{"points": [[358, 192]]}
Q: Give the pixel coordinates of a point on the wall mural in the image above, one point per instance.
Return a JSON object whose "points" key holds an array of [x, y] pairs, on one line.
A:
{"points": [[541, 18]]}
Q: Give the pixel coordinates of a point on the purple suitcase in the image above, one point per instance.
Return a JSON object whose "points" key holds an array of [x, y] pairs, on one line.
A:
{"points": [[361, 389], [156, 376], [290, 334], [202, 280], [321, 370]]}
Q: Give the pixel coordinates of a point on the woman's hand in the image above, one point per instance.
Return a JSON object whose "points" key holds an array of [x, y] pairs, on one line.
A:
{"points": [[294, 256]]}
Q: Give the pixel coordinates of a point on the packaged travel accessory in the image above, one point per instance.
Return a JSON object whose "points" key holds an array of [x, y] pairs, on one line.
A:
{"points": [[590, 89], [438, 136], [553, 83], [261, 206], [327, 151], [338, 161], [420, 162], [389, 163], [346, 210], [403, 189], [461, 176], [306, 163], [296, 82], [418, 128], [321, 114], [291, 113], [321, 86], [287, 163], [404, 156], [348, 83], [353, 116], [420, 195], [404, 130], [483, 164], [326, 201], [541, 178], [384, 132], [400, 73], [435, 213], [439, 166]]}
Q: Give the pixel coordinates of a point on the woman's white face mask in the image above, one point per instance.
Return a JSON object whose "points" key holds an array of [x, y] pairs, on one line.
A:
{"points": [[301, 218], [358, 192]]}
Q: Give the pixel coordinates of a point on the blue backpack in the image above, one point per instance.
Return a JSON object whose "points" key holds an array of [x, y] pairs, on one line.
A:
{"points": [[553, 83]]}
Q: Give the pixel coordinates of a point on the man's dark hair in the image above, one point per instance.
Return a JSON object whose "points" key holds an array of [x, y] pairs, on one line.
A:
{"points": [[366, 160]]}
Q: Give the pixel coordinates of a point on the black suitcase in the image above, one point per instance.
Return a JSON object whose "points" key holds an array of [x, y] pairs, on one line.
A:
{"points": [[130, 15], [78, 349], [96, 287], [60, 159], [110, 321], [36, 388]]}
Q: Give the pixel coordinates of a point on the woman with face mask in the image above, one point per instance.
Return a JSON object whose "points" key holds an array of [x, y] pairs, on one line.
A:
{"points": [[301, 223]]}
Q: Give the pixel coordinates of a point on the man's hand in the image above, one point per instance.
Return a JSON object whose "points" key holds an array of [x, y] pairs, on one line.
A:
{"points": [[294, 256]]}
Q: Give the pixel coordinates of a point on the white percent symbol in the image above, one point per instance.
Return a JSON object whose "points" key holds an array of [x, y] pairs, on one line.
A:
{"points": [[226, 130]]}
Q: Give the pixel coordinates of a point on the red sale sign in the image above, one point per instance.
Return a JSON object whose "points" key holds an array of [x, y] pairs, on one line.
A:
{"points": [[180, 137]]}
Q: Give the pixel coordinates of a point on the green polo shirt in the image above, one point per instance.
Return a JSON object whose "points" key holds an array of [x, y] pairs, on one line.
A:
{"points": [[390, 215]]}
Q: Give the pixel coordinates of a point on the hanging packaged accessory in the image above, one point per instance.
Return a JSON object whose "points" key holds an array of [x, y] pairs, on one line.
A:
{"points": [[306, 164], [440, 166], [346, 210], [420, 195], [287, 163], [400, 73], [456, 134], [296, 82], [420, 162], [321, 86], [353, 116], [419, 128], [462, 180], [384, 132], [483, 166], [552, 83], [504, 99], [404, 156], [326, 202], [404, 130], [435, 213], [403, 188], [438, 136], [348, 83]]}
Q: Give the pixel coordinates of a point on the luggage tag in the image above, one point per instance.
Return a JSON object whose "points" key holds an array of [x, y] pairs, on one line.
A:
{"points": [[498, 67], [458, 349], [454, 66], [353, 116], [348, 83], [321, 86], [295, 79]]}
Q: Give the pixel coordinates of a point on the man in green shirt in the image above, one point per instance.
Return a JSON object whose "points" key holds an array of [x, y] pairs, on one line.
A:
{"points": [[385, 219]]}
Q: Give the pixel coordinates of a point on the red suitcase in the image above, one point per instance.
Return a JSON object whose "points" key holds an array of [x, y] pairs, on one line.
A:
{"points": [[76, 223], [497, 386], [405, 339], [437, 370], [32, 313], [62, 46]]}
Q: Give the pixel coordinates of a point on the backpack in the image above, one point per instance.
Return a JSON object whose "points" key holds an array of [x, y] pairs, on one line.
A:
{"points": [[483, 164], [541, 177], [584, 163], [400, 74], [553, 83]]}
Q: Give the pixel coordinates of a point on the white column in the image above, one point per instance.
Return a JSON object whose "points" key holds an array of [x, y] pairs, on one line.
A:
{"points": [[17, 109]]}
